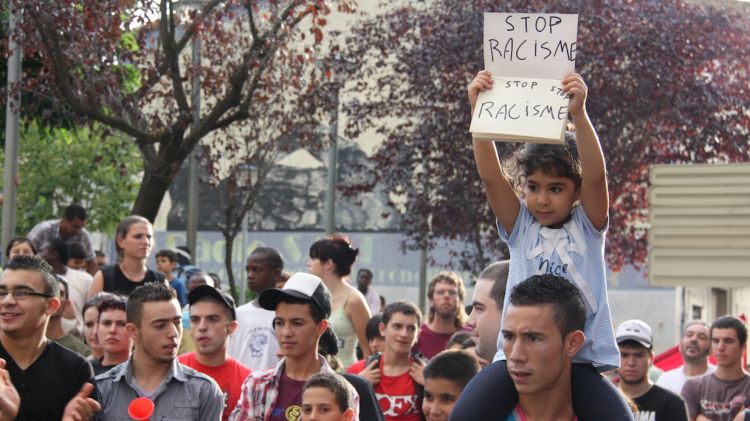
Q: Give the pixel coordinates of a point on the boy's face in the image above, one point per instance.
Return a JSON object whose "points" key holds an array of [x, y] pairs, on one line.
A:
{"points": [[77, 264], [164, 265], [296, 331], [400, 334], [440, 396], [260, 275], [319, 404], [377, 344]]}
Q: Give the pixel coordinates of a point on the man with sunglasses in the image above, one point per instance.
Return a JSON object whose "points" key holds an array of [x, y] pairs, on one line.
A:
{"points": [[46, 374]]}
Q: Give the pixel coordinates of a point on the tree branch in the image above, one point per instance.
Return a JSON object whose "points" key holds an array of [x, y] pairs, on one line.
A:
{"points": [[172, 60], [51, 42], [162, 68]]}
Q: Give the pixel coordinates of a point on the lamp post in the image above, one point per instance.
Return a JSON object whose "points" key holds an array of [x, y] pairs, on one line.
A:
{"points": [[12, 122], [192, 199]]}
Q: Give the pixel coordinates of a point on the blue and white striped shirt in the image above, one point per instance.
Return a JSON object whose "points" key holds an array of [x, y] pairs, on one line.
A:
{"points": [[575, 252]]}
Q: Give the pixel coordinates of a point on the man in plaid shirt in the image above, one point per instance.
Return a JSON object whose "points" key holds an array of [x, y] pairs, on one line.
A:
{"points": [[302, 309]]}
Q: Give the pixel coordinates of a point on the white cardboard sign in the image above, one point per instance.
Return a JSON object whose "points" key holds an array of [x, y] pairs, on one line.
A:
{"points": [[527, 55], [534, 46]]}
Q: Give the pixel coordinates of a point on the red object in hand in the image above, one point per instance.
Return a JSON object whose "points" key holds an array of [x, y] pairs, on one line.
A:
{"points": [[140, 409]]}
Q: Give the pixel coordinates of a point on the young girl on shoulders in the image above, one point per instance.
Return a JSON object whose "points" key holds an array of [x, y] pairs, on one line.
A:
{"points": [[551, 208]]}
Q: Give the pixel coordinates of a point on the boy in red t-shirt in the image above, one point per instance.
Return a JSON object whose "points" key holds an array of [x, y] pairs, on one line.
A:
{"points": [[212, 320], [397, 374]]}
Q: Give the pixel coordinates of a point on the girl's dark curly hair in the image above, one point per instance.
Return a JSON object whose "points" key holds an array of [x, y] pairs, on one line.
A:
{"points": [[553, 160]]}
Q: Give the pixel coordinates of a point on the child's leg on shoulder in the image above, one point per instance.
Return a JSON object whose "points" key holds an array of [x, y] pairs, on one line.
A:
{"points": [[490, 395], [595, 398]]}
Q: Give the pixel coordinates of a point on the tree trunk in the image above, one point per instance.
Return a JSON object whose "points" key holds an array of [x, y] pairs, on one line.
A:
{"points": [[150, 196], [228, 255]]}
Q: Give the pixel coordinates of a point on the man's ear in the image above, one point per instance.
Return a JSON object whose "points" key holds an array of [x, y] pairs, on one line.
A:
{"points": [[573, 343], [323, 326], [130, 327], [53, 304], [232, 327], [349, 415], [381, 328]]}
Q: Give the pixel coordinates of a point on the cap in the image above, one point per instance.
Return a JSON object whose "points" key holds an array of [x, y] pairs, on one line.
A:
{"points": [[300, 286], [207, 290], [635, 330]]}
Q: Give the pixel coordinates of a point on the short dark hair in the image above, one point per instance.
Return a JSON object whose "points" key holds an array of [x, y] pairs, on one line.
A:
{"points": [[315, 311], [169, 254], [150, 292], [64, 286], [456, 365], [99, 253], [35, 263], [364, 270], [77, 251], [62, 249], [731, 322], [336, 248], [16, 241], [403, 307], [458, 338], [75, 211], [117, 302], [97, 299], [568, 305], [271, 256], [497, 273], [372, 329], [336, 384]]}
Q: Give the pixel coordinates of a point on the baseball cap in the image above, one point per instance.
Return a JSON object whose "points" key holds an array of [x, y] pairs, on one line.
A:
{"points": [[207, 290], [300, 286], [635, 330]]}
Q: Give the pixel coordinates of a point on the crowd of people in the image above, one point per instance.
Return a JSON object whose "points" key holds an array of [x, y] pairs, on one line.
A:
{"points": [[81, 338]]}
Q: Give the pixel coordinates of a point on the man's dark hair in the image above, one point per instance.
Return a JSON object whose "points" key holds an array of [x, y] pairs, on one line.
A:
{"points": [[458, 338], [403, 307], [457, 366], [75, 211], [169, 254], [568, 305], [271, 256], [97, 299], [315, 311], [731, 322], [77, 251], [35, 263], [64, 288], [99, 253], [372, 329], [336, 385], [16, 241], [117, 302], [497, 273], [61, 248], [150, 292]]}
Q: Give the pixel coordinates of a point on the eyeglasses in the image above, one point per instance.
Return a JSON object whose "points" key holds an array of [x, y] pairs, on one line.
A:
{"points": [[22, 294], [451, 292]]}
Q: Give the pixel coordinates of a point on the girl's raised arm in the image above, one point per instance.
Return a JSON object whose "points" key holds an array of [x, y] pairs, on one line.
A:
{"points": [[594, 192], [503, 199]]}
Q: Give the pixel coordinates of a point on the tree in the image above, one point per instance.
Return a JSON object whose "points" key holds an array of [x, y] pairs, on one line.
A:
{"points": [[79, 165], [667, 82], [124, 65]]}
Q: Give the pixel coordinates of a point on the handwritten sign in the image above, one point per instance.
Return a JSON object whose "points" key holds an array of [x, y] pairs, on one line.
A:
{"points": [[527, 110], [535, 46], [528, 55]]}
